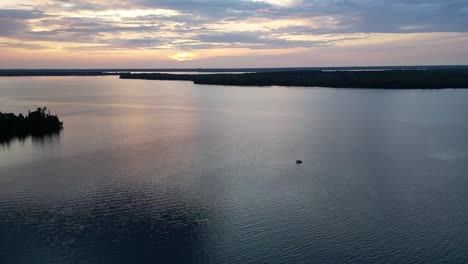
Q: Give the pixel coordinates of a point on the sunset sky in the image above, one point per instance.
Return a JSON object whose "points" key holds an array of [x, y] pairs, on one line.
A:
{"points": [[231, 33]]}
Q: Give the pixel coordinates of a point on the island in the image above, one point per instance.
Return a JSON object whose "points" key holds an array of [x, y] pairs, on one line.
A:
{"points": [[36, 123], [372, 79]]}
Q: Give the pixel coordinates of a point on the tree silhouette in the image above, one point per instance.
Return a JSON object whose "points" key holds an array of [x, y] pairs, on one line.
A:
{"points": [[36, 123]]}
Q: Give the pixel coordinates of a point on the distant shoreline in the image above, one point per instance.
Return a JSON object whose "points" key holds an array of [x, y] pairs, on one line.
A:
{"points": [[39, 73], [111, 71], [389, 79]]}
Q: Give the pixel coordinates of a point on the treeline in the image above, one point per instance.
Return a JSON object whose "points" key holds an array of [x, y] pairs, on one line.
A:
{"points": [[390, 79], [38, 123], [15, 73]]}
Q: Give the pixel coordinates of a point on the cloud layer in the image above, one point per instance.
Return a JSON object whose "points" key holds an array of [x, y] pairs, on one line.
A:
{"points": [[194, 25]]}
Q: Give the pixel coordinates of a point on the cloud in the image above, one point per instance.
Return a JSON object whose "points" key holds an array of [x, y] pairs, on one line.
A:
{"points": [[19, 45], [255, 40], [204, 24], [17, 14], [15, 21], [384, 16]]}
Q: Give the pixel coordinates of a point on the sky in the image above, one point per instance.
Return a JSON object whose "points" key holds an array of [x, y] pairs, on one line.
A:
{"points": [[231, 33]]}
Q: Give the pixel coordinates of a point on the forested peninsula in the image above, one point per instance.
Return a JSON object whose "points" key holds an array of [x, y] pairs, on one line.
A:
{"points": [[388, 79]]}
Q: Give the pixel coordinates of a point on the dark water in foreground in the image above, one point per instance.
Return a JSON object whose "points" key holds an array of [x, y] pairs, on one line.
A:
{"points": [[172, 172]]}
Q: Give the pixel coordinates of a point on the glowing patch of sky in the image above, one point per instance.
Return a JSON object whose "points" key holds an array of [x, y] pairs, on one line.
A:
{"points": [[279, 2]]}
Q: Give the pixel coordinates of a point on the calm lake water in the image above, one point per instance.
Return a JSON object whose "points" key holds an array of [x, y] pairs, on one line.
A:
{"points": [[172, 172]]}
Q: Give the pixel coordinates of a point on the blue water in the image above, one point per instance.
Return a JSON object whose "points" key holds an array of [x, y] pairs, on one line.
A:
{"points": [[172, 172]]}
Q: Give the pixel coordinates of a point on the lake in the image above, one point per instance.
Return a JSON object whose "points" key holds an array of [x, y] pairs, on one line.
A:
{"points": [[173, 172]]}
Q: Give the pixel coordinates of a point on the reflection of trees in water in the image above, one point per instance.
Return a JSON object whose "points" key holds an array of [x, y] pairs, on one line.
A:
{"points": [[6, 141], [39, 138], [111, 225]]}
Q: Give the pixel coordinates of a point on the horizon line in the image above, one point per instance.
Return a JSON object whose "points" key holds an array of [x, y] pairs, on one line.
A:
{"points": [[243, 68]]}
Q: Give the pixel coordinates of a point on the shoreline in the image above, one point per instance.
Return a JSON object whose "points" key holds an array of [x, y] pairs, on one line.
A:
{"points": [[448, 77], [391, 79]]}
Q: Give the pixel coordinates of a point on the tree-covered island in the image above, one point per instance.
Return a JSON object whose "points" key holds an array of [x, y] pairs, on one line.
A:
{"points": [[36, 123]]}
